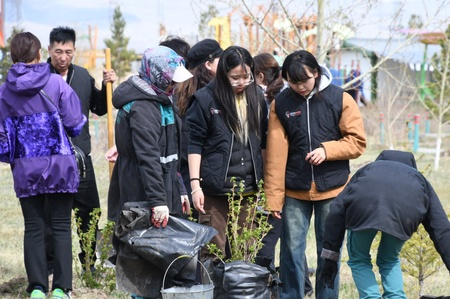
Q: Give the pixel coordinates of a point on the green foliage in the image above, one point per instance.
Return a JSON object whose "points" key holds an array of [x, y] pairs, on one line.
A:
{"points": [[121, 57], [419, 257], [5, 62], [246, 240], [104, 276], [439, 87]]}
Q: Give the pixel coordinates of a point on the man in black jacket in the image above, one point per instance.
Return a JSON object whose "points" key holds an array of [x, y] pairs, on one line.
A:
{"points": [[61, 50], [388, 196]]}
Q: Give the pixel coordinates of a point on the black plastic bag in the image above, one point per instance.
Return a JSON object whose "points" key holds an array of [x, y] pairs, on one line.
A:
{"points": [[239, 280], [160, 246]]}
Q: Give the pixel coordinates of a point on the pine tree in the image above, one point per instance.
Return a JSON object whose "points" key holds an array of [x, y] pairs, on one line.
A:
{"points": [[5, 62], [420, 258], [121, 57]]}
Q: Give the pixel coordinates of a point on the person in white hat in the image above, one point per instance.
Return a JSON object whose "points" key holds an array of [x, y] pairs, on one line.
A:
{"points": [[147, 140]]}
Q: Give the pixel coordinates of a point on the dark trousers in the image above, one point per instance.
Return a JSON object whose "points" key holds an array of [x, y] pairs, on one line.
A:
{"points": [[216, 215], [34, 210], [85, 201], [266, 255]]}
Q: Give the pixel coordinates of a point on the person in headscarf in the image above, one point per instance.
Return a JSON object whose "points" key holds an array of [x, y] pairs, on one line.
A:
{"points": [[391, 197], [147, 137]]}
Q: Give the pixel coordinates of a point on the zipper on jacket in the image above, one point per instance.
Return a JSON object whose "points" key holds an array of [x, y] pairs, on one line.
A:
{"points": [[309, 135], [71, 77], [253, 161], [229, 157]]}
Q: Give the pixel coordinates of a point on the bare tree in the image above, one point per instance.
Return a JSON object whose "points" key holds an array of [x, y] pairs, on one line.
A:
{"points": [[318, 26], [439, 103], [393, 104]]}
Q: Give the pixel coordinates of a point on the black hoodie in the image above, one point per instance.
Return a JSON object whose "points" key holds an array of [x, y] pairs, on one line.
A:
{"points": [[391, 196]]}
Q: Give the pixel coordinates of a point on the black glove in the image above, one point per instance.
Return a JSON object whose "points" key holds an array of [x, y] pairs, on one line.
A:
{"points": [[328, 273]]}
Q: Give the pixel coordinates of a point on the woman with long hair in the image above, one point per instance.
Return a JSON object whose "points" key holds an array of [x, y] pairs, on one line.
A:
{"points": [[227, 124], [202, 61]]}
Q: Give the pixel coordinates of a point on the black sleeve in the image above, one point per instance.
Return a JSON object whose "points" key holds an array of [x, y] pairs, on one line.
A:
{"points": [[437, 225], [264, 123], [98, 104], [198, 127], [335, 224], [145, 125]]}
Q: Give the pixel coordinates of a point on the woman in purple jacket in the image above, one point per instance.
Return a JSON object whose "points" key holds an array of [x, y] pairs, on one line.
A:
{"points": [[37, 112]]}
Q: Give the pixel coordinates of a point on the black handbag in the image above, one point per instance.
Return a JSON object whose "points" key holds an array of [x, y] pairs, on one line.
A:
{"points": [[80, 157]]}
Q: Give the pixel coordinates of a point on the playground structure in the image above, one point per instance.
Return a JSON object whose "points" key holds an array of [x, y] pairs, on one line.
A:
{"points": [[428, 38], [265, 30]]}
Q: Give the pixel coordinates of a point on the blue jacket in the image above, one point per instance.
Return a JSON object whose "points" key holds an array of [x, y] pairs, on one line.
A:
{"points": [[32, 137]]}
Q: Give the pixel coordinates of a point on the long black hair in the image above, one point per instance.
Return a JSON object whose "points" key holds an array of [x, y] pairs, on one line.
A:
{"points": [[232, 57], [296, 65]]}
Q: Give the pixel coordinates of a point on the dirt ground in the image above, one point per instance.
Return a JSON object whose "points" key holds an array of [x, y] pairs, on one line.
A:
{"points": [[16, 288]]}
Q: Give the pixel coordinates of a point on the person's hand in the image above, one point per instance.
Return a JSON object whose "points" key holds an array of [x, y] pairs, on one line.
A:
{"points": [[317, 156], [328, 273], [186, 205], [198, 198], [112, 154], [160, 216], [109, 76], [276, 214]]}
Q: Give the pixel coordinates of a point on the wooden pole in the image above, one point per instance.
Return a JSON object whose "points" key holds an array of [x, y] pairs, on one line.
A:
{"points": [[109, 107]]}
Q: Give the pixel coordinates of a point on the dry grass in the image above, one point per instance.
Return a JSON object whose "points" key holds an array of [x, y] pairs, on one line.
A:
{"points": [[12, 271]]}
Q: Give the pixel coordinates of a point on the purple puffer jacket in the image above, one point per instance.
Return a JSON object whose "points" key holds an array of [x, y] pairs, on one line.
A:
{"points": [[32, 137]]}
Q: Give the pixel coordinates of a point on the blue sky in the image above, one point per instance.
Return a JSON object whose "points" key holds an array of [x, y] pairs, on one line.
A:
{"points": [[143, 16]]}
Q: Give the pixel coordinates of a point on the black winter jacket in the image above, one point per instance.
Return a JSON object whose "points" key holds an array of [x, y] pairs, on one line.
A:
{"points": [[211, 137], [147, 139], [91, 99]]}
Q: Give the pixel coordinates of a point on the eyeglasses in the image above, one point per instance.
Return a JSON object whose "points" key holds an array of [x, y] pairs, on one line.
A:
{"points": [[243, 81]]}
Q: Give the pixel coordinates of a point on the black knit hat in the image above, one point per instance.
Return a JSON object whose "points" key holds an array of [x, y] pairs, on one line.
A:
{"points": [[203, 51]]}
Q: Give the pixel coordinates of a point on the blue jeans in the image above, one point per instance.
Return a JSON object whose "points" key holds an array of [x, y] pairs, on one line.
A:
{"points": [[296, 220], [360, 262]]}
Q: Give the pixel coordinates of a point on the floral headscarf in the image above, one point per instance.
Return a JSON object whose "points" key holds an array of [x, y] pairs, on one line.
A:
{"points": [[158, 68]]}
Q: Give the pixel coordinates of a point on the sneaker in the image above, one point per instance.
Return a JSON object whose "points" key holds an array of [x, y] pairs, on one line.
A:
{"points": [[60, 294], [38, 294]]}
